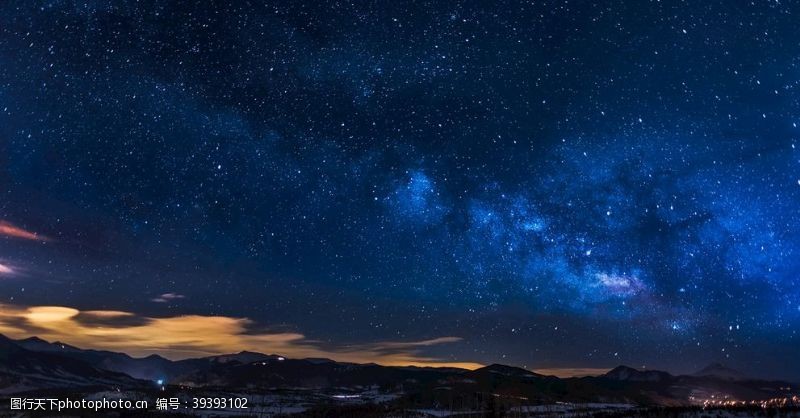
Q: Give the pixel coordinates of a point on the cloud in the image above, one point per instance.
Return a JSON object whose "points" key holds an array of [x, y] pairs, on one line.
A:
{"points": [[10, 269], [167, 297], [178, 337], [6, 270], [423, 343], [13, 231]]}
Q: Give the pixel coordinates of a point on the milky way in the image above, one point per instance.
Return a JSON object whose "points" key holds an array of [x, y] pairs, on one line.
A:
{"points": [[550, 185]]}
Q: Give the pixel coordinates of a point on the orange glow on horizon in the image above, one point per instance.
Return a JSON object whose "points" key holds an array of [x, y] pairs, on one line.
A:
{"points": [[179, 337]]}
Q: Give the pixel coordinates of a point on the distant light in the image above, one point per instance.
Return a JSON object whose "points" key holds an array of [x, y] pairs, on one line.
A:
{"points": [[281, 359], [160, 381]]}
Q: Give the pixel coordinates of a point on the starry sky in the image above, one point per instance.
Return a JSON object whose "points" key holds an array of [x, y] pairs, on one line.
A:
{"points": [[559, 185]]}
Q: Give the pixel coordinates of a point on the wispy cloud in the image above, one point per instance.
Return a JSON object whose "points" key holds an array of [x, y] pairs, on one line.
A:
{"points": [[10, 230], [167, 297], [6, 270], [198, 335], [423, 343]]}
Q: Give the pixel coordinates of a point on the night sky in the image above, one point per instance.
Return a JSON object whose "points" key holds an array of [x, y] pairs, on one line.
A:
{"points": [[547, 184]]}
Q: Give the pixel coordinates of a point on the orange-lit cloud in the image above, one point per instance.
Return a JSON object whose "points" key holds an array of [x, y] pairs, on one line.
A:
{"points": [[186, 336], [11, 230]]}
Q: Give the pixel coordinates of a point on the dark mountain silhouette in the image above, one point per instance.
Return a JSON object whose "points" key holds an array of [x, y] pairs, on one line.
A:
{"points": [[664, 388], [152, 367], [720, 371], [243, 357], [509, 371], [34, 363], [22, 369], [274, 372], [630, 374]]}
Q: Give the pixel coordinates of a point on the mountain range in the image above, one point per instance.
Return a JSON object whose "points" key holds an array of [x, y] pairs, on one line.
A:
{"points": [[33, 364], [22, 370]]}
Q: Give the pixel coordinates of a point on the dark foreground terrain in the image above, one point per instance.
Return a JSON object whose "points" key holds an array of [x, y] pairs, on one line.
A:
{"points": [[38, 377]]}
